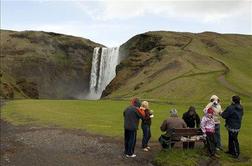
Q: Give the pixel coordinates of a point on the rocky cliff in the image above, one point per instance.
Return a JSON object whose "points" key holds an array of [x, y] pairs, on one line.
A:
{"points": [[44, 65]]}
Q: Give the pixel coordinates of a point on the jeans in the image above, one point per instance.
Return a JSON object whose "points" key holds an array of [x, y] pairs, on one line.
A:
{"points": [[233, 143], [210, 143], [129, 141], [146, 135], [217, 136]]}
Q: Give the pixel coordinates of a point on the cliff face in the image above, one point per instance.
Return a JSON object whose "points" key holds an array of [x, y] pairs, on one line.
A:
{"points": [[170, 65], [44, 65]]}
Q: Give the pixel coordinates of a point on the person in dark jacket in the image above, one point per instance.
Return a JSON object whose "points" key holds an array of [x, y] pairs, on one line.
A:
{"points": [[233, 116], [192, 120], [131, 122]]}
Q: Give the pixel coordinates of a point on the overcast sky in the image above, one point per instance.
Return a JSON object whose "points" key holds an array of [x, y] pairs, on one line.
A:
{"points": [[113, 22]]}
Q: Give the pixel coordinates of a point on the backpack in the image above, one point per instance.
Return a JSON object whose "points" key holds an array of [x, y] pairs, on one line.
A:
{"points": [[141, 112], [165, 141]]}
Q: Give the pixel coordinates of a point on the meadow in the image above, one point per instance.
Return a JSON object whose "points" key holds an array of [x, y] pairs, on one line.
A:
{"points": [[105, 117]]}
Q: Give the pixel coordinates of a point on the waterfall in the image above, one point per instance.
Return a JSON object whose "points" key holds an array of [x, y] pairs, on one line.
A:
{"points": [[104, 63]]}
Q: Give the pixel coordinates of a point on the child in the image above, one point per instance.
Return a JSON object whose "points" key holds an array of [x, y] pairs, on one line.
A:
{"points": [[146, 123], [208, 128]]}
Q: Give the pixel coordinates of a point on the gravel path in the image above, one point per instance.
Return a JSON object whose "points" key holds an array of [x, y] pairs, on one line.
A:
{"points": [[35, 146]]}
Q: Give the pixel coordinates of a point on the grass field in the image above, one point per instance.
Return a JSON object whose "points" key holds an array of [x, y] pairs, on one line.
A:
{"points": [[105, 117]]}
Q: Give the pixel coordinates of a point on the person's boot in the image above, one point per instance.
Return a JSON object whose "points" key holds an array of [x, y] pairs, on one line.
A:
{"points": [[235, 156], [215, 156], [228, 152]]}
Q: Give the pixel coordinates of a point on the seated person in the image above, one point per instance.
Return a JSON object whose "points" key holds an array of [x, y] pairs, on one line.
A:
{"points": [[173, 122], [192, 120]]}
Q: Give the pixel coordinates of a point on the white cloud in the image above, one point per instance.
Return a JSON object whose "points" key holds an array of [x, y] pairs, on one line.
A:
{"points": [[204, 10], [114, 22]]}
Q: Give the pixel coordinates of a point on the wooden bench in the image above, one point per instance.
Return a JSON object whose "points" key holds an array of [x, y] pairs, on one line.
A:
{"points": [[176, 134]]}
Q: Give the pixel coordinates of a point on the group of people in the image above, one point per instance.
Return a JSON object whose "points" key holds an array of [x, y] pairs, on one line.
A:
{"points": [[209, 124]]}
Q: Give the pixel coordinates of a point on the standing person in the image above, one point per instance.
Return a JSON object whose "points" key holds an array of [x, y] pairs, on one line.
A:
{"points": [[216, 107], [233, 115], [208, 128], [173, 122], [146, 123], [131, 121], [192, 120]]}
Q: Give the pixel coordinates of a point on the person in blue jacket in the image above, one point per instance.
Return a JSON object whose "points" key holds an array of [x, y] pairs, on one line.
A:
{"points": [[233, 117], [131, 115]]}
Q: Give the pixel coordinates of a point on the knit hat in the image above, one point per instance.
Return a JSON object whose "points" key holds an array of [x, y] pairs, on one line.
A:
{"points": [[214, 98], [174, 112], [136, 102]]}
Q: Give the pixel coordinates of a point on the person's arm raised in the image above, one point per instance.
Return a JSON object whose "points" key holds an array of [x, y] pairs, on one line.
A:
{"points": [[225, 114]]}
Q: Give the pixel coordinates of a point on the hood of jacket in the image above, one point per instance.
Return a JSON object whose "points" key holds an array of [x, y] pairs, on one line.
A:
{"points": [[136, 102]]}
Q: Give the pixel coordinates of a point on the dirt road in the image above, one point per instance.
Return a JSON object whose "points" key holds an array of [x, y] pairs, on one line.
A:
{"points": [[35, 146]]}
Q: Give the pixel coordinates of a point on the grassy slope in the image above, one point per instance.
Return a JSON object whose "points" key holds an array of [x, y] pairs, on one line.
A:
{"points": [[105, 117], [196, 70], [237, 58], [6, 79]]}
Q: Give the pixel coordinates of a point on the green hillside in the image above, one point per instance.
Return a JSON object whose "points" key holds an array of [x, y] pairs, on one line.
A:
{"points": [[184, 66], [157, 65], [37, 64]]}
